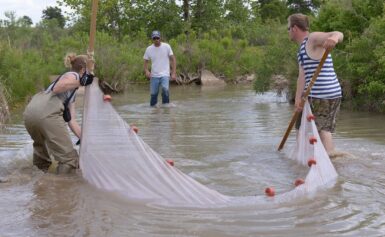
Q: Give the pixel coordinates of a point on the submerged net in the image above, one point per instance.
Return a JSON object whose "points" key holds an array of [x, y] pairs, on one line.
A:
{"points": [[114, 158]]}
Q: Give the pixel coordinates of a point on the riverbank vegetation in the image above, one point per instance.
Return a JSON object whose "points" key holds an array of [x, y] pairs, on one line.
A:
{"points": [[231, 38]]}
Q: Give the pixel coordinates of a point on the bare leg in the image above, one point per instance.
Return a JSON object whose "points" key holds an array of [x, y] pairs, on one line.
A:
{"points": [[327, 141]]}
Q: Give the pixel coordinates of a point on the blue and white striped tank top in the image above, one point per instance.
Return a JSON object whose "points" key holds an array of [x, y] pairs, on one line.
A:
{"points": [[326, 86]]}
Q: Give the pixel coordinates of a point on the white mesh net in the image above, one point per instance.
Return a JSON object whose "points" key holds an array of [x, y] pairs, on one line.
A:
{"points": [[114, 158], [310, 152]]}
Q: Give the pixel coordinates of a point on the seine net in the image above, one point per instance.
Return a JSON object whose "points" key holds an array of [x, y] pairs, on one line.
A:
{"points": [[114, 158], [310, 152]]}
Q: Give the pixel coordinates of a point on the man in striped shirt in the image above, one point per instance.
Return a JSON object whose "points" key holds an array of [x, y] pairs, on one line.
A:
{"points": [[325, 95]]}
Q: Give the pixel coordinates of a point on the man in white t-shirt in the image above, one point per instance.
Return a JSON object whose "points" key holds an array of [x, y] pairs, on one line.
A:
{"points": [[162, 58]]}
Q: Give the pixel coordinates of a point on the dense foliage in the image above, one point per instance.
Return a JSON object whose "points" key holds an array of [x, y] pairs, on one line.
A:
{"points": [[232, 38]]}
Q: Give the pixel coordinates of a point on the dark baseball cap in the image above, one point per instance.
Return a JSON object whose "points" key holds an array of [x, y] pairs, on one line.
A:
{"points": [[155, 34]]}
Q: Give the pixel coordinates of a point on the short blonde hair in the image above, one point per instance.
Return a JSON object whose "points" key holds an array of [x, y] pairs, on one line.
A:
{"points": [[75, 62], [299, 20]]}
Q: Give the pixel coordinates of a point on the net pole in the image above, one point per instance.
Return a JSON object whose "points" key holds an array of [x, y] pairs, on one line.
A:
{"points": [[90, 54], [91, 45]]}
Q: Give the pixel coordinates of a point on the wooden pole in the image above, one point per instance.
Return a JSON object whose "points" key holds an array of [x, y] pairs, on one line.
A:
{"points": [[91, 45], [90, 54], [304, 98]]}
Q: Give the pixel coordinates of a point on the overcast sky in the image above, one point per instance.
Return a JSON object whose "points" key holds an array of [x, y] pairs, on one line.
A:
{"points": [[31, 8]]}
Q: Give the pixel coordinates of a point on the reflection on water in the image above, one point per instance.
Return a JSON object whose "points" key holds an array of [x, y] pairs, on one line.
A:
{"points": [[225, 139]]}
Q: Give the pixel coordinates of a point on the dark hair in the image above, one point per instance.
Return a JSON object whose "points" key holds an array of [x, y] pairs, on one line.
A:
{"points": [[299, 20]]}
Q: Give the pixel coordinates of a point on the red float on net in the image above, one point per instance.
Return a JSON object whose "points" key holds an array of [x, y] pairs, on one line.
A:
{"points": [[134, 128], [107, 98], [310, 117], [270, 191], [170, 162], [299, 182], [312, 140], [311, 162]]}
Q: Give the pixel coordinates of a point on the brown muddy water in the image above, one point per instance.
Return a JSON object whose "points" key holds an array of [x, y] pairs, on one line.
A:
{"points": [[226, 139]]}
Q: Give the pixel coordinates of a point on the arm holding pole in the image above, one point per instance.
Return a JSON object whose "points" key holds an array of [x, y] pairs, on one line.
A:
{"points": [[304, 98]]}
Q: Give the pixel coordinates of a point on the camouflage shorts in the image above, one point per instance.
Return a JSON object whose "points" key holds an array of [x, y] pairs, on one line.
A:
{"points": [[325, 112]]}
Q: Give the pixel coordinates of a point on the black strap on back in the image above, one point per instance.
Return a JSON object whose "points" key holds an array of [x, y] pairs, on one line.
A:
{"points": [[66, 102], [57, 79]]}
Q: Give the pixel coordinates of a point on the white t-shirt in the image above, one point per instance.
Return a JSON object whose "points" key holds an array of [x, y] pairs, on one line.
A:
{"points": [[160, 59]]}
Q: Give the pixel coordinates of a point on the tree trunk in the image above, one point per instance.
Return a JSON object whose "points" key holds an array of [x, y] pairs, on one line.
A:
{"points": [[186, 10], [199, 10]]}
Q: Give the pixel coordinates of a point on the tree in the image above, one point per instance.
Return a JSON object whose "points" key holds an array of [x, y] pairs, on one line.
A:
{"points": [[207, 14], [165, 16], [51, 13], [369, 8], [352, 17], [307, 7], [186, 10], [25, 21], [125, 17], [367, 63], [236, 11], [11, 21], [271, 9]]}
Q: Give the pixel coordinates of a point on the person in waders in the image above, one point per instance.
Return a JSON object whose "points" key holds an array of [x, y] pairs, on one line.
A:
{"points": [[47, 114]]}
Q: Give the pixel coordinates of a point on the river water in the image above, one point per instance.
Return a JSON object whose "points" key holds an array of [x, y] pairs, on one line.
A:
{"points": [[226, 139]]}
